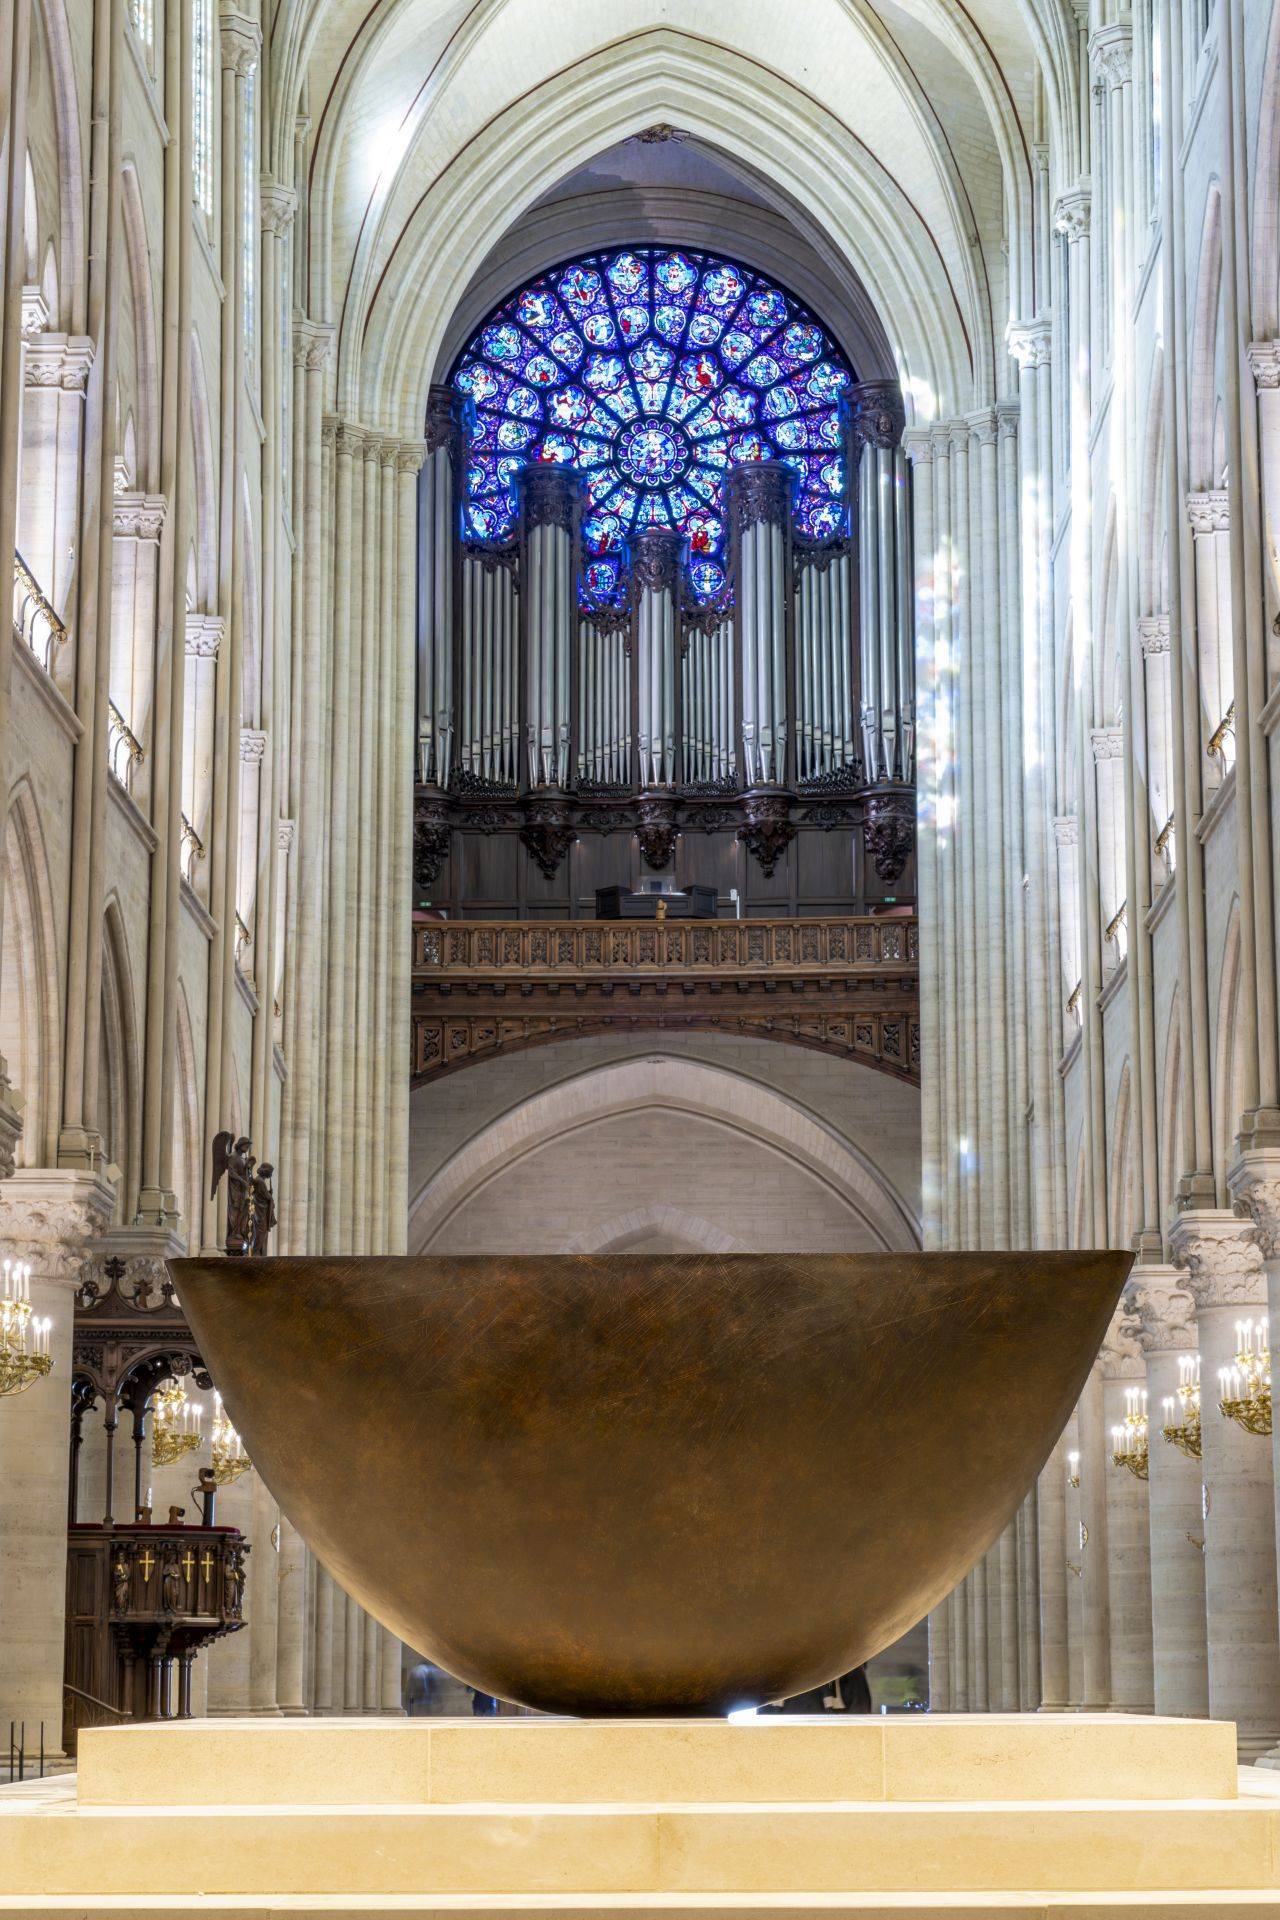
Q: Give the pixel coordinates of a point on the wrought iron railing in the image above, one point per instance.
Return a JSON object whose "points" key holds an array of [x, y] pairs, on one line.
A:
{"points": [[1222, 742], [124, 749], [192, 850], [34, 620]]}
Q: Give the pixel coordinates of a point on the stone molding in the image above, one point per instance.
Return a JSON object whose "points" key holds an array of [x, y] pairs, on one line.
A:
{"points": [[1108, 743], [1008, 418], [312, 340], [138, 516], [35, 312], [1072, 213], [1163, 1310], [58, 360], [1066, 830], [1264, 360], [239, 42], [1153, 635], [285, 830], [1209, 512], [983, 426], [204, 635], [1121, 1356], [1254, 1185], [918, 445], [410, 455], [253, 745], [1221, 1257], [1031, 344], [277, 204], [52, 1218]]}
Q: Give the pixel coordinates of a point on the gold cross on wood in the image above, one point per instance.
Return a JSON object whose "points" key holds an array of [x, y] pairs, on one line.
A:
{"points": [[188, 1561], [146, 1562], [206, 1564]]}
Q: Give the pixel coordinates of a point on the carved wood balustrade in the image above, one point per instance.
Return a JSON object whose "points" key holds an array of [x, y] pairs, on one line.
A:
{"points": [[847, 986]]}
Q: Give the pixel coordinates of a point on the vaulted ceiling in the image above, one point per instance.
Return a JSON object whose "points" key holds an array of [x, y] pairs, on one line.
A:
{"points": [[881, 154]]}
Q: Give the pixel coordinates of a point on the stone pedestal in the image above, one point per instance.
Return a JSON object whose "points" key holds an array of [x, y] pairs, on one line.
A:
{"points": [[50, 1220], [1223, 1262], [1166, 1316], [908, 1815]]}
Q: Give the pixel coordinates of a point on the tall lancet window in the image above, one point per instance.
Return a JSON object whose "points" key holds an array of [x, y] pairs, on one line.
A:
{"points": [[250, 212], [653, 372], [202, 105]]}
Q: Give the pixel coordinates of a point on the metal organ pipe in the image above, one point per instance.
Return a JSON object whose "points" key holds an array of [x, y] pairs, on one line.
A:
{"points": [[885, 571], [435, 610], [550, 499], [759, 506], [655, 561]]}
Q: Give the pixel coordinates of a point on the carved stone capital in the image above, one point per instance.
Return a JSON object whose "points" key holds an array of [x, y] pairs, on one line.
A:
{"points": [[1121, 1356], [1108, 743], [878, 412], [138, 516], [1153, 636], [550, 495], [1264, 359], [1111, 54], [918, 445], [51, 1219], [253, 746], [1162, 1309], [285, 831], [1071, 213], [1008, 418], [277, 204], [58, 360], [312, 340], [1209, 512], [329, 431], [983, 425], [1066, 830], [760, 494], [204, 635], [410, 455], [1220, 1256], [35, 313], [1253, 1182], [1031, 344], [239, 42], [655, 561]]}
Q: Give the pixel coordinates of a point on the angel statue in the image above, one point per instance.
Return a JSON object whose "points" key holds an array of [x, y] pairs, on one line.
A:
{"points": [[234, 1158], [264, 1206]]}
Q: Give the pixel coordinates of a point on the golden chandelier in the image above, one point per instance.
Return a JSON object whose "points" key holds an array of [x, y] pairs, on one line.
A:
{"points": [[177, 1423], [1129, 1439], [229, 1457], [24, 1337], [1246, 1387], [1185, 1433]]}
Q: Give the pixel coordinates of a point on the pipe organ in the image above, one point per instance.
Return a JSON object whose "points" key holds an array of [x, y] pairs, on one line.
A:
{"points": [[780, 705]]}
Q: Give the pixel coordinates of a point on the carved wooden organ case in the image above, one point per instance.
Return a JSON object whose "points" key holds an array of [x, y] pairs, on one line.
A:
{"points": [[783, 708]]}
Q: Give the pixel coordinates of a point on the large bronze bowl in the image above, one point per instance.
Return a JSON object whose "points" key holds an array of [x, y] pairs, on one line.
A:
{"points": [[664, 1485]]}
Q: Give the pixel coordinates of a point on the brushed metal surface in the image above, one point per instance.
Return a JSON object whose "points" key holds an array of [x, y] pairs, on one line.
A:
{"points": [[658, 1485]]}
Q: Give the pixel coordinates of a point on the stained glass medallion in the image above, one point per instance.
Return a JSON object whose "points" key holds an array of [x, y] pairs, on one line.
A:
{"points": [[653, 371]]}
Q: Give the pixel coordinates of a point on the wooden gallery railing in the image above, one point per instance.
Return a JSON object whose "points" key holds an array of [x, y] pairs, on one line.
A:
{"points": [[847, 986]]}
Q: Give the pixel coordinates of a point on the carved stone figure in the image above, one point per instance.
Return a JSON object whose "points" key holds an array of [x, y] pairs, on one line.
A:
{"points": [[234, 1158], [171, 1583], [120, 1583], [264, 1206]]}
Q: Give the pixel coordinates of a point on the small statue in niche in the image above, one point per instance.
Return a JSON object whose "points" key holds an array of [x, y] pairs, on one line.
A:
{"points": [[170, 1583], [264, 1207], [235, 1158], [120, 1586], [233, 1579]]}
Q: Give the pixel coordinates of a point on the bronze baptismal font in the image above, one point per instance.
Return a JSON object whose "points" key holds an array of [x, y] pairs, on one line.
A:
{"points": [[646, 1484]]}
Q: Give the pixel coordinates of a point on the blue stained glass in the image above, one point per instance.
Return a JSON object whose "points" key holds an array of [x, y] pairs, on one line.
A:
{"points": [[653, 370]]}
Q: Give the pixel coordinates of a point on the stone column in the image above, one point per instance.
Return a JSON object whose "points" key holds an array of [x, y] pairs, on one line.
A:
{"points": [[759, 499], [392, 1691], [354, 1672], [49, 1220], [229, 1661], [1092, 1558], [372, 1656], [291, 1620], [323, 1656], [1223, 1262], [1166, 1314], [1074, 1563], [262, 1598], [1254, 1183], [1128, 1536], [958, 1637], [1051, 1553], [338, 1650], [940, 1658]]}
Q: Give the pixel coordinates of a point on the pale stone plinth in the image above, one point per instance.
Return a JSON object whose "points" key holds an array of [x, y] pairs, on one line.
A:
{"points": [[916, 1815]]}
